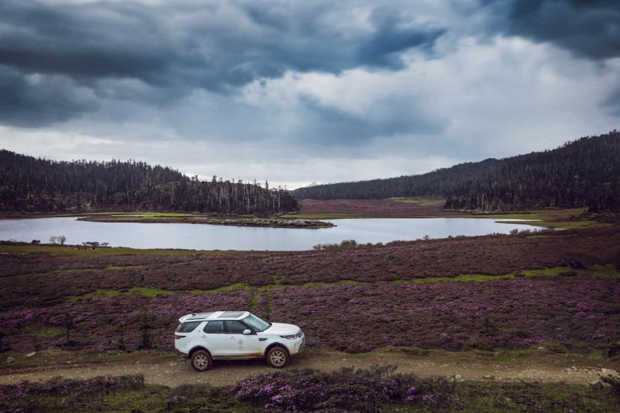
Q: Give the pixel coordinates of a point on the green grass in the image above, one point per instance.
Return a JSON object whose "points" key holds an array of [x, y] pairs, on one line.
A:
{"points": [[42, 330], [548, 218], [467, 397], [243, 220], [552, 218], [607, 271], [142, 291], [80, 270], [123, 267], [321, 216], [168, 214], [73, 251], [419, 201], [255, 301], [226, 288]]}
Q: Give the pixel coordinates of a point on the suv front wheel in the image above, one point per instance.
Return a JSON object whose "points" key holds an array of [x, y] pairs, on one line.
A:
{"points": [[277, 357], [201, 360]]}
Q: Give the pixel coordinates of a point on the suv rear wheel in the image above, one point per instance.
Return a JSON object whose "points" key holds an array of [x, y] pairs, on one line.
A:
{"points": [[201, 360], [277, 357]]}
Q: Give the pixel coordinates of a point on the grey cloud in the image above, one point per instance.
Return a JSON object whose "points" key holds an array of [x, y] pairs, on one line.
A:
{"points": [[588, 28], [40, 100], [611, 103], [392, 36], [180, 47], [77, 41], [329, 126]]}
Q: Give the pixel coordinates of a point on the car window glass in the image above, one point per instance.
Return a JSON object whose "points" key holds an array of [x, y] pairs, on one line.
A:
{"points": [[256, 323], [187, 327], [235, 327], [215, 327]]}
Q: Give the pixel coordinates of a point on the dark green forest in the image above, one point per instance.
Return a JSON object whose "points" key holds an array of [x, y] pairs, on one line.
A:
{"points": [[29, 184], [581, 173]]}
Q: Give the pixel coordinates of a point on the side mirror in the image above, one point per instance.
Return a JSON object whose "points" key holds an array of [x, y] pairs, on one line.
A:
{"points": [[247, 332]]}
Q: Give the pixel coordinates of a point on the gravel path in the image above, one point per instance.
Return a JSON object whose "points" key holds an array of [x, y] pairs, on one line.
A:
{"points": [[551, 368]]}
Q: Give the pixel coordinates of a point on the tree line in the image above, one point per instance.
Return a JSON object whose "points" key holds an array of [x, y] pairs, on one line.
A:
{"points": [[581, 173], [29, 184]]}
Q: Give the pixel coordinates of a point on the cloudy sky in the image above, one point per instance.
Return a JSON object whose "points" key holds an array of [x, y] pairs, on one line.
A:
{"points": [[300, 91]]}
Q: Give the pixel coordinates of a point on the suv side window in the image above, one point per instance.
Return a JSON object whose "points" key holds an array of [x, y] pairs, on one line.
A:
{"points": [[188, 327], [235, 327], [214, 327]]}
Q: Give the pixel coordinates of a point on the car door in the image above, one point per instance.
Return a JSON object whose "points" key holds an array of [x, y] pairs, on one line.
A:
{"points": [[240, 344], [215, 339]]}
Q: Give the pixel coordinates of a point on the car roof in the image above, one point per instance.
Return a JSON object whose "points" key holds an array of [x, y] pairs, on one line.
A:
{"points": [[214, 315]]}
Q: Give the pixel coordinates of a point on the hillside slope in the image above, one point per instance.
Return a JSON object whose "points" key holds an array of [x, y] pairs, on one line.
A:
{"points": [[29, 184], [581, 173]]}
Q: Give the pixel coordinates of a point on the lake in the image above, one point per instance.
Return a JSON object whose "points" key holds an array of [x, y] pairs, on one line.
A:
{"points": [[212, 237]]}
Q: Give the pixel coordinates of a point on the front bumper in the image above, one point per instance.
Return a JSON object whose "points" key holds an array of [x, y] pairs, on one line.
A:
{"points": [[297, 345]]}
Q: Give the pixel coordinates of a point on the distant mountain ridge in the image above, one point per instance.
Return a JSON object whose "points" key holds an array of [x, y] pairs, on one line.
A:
{"points": [[581, 173], [29, 184]]}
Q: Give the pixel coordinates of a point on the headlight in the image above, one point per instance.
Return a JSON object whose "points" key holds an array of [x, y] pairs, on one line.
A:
{"points": [[291, 337]]}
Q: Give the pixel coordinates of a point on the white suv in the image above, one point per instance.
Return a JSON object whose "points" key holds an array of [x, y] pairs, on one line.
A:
{"points": [[226, 335]]}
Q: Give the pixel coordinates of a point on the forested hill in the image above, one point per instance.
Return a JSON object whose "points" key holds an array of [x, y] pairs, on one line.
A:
{"points": [[29, 184], [582, 173]]}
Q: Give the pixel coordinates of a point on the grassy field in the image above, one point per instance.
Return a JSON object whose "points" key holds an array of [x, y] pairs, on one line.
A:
{"points": [[505, 295], [596, 271], [432, 208], [40, 285], [316, 210], [307, 391], [74, 251]]}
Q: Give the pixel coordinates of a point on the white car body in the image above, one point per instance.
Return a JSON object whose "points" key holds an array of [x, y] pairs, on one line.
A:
{"points": [[219, 333]]}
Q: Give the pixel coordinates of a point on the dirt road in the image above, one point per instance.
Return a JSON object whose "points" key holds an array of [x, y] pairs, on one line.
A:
{"points": [[175, 372]]}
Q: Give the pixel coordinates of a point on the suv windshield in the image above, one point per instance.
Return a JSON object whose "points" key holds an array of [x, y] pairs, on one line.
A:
{"points": [[256, 323]]}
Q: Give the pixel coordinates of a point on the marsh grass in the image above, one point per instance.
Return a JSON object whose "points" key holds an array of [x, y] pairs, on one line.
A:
{"points": [[598, 271], [72, 251], [296, 389], [42, 330]]}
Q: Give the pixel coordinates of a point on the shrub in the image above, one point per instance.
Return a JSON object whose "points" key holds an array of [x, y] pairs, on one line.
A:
{"points": [[476, 344], [343, 390], [613, 381], [348, 243], [554, 347], [62, 387], [579, 261], [19, 397], [612, 350]]}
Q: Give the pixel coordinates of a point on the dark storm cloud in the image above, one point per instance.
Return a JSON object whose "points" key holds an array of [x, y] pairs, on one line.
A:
{"points": [[391, 37], [588, 28], [183, 46], [37, 101]]}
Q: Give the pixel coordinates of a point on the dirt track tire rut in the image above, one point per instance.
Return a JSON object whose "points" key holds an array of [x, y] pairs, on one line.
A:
{"points": [[222, 373]]}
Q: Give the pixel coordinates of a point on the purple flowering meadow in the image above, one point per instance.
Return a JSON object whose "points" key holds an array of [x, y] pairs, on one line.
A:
{"points": [[579, 313]]}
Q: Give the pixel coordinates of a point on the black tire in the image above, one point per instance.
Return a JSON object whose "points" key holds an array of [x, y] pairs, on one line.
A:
{"points": [[201, 360], [277, 357]]}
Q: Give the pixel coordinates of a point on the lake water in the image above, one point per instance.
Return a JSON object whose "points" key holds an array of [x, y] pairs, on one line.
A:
{"points": [[212, 237]]}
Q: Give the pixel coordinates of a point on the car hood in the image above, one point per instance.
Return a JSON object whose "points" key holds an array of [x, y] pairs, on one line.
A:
{"points": [[282, 329]]}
